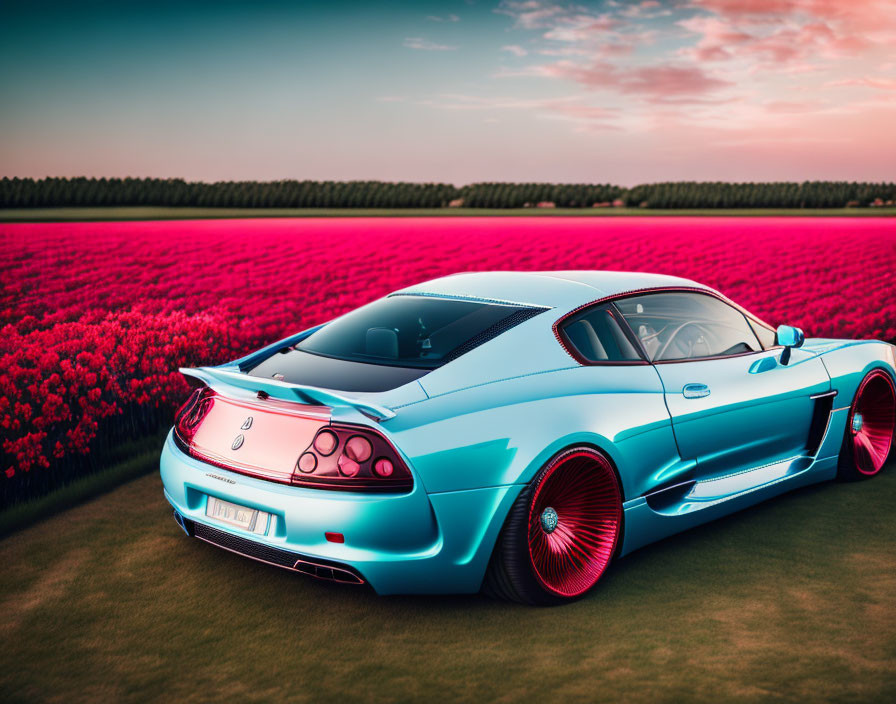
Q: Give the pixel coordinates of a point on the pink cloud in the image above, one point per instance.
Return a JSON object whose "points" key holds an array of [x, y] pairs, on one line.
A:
{"points": [[792, 106], [714, 29], [572, 108], [565, 51], [718, 37], [781, 59], [741, 8], [744, 31], [582, 112], [565, 23], [582, 28], [530, 14], [852, 16], [589, 113], [425, 45], [657, 83], [514, 49], [867, 82]]}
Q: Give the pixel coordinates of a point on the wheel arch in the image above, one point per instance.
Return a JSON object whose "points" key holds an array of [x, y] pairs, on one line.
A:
{"points": [[571, 441], [849, 365]]}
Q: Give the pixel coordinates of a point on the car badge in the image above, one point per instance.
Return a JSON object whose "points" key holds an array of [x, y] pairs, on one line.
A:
{"points": [[238, 442], [220, 478], [246, 423]]}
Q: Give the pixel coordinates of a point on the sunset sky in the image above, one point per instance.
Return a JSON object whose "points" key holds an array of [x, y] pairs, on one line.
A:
{"points": [[457, 91]]}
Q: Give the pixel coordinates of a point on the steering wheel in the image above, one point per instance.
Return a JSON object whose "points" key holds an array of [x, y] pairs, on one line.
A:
{"points": [[686, 337]]}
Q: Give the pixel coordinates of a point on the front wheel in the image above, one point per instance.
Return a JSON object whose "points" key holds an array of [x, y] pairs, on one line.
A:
{"points": [[870, 427], [561, 532]]}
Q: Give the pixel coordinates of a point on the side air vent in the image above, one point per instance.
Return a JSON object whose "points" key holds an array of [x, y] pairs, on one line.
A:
{"points": [[821, 414]]}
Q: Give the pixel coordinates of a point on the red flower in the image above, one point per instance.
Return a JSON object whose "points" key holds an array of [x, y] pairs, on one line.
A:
{"points": [[105, 335]]}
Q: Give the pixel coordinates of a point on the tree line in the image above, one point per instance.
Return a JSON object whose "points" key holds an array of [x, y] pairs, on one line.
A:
{"points": [[93, 192]]}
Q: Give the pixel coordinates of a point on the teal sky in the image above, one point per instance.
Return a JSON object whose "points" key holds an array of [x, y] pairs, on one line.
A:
{"points": [[450, 91]]}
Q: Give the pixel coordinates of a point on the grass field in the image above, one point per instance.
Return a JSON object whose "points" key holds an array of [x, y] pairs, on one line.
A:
{"points": [[164, 213], [130, 460], [789, 601]]}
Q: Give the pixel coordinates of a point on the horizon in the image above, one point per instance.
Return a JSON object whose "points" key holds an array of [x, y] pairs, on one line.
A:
{"points": [[451, 91], [458, 186]]}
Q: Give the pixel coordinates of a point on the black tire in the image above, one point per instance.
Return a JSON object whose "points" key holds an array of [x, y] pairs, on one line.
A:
{"points": [[874, 404], [593, 498]]}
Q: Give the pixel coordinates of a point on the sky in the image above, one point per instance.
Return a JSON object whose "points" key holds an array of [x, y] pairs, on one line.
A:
{"points": [[450, 90]]}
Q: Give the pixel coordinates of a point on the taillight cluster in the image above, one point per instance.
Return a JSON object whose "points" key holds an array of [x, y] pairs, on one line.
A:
{"points": [[346, 457], [190, 415], [339, 457]]}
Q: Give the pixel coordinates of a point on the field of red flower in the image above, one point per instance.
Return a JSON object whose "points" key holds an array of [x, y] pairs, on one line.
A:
{"points": [[95, 318]]}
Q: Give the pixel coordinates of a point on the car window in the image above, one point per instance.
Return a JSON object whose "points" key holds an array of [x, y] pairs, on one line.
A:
{"points": [[597, 336], [413, 331], [767, 337], [674, 326]]}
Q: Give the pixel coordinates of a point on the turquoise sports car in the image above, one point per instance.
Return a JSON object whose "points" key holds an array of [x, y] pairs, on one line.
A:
{"points": [[514, 432]]}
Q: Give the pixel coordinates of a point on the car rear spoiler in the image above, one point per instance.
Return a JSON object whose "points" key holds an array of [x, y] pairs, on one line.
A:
{"points": [[216, 377]]}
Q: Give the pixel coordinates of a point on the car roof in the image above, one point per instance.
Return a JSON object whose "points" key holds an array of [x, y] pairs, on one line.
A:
{"points": [[553, 289]]}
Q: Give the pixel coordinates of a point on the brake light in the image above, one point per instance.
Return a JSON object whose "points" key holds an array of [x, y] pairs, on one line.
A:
{"points": [[190, 415], [383, 467], [351, 458], [325, 443]]}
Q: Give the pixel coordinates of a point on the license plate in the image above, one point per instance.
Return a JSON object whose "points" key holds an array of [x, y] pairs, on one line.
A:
{"points": [[249, 519]]}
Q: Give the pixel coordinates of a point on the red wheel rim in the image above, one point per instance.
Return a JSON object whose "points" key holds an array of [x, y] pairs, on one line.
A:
{"points": [[571, 547], [871, 422]]}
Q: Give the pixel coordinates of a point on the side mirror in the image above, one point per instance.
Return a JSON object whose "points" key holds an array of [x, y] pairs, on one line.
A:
{"points": [[790, 338]]}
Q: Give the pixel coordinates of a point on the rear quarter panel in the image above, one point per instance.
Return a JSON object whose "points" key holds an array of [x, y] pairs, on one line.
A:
{"points": [[502, 433], [848, 362]]}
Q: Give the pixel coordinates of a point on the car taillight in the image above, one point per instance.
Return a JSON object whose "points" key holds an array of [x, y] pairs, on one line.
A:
{"points": [[352, 459], [190, 415]]}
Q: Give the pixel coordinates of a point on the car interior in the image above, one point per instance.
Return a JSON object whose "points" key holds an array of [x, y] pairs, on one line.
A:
{"points": [[669, 326]]}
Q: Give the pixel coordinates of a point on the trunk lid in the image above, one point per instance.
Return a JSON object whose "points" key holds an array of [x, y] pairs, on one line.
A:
{"points": [[260, 427], [262, 438], [232, 378]]}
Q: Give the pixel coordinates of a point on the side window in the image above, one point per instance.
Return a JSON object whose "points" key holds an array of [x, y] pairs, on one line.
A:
{"points": [[674, 326], [767, 337], [597, 336]]}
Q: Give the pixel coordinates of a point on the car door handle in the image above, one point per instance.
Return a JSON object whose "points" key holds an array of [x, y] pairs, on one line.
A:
{"points": [[695, 390]]}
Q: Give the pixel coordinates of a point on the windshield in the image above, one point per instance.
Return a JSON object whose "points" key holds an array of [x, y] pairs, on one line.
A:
{"points": [[413, 331]]}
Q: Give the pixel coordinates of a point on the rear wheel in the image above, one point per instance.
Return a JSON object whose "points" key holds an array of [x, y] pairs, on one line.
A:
{"points": [[870, 427], [560, 533]]}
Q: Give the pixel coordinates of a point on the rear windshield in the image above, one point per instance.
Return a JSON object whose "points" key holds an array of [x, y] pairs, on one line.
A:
{"points": [[413, 331]]}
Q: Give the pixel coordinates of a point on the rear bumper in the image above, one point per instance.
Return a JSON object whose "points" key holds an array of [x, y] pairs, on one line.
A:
{"points": [[399, 543], [330, 571]]}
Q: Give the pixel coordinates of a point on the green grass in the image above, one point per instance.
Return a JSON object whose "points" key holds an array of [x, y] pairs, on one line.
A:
{"points": [[163, 213], [126, 462], [789, 601]]}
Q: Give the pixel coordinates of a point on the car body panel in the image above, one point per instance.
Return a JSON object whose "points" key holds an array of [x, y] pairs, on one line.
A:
{"points": [[848, 361], [475, 431], [511, 428], [748, 418], [645, 525]]}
